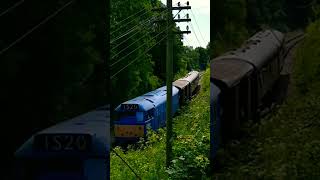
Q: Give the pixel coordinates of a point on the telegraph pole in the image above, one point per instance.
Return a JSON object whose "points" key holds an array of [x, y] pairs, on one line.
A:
{"points": [[169, 73], [169, 58]]}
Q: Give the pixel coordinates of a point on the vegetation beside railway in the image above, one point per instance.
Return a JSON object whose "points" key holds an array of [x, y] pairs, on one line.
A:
{"points": [[285, 144], [191, 145], [149, 72]]}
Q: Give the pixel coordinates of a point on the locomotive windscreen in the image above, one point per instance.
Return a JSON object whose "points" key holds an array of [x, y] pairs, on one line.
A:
{"points": [[126, 114]]}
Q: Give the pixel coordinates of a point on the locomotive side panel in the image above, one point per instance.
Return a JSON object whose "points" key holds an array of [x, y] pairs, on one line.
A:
{"points": [[215, 124]]}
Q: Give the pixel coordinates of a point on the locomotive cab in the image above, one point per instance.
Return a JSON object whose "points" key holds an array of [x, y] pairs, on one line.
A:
{"points": [[75, 149], [133, 120], [147, 111]]}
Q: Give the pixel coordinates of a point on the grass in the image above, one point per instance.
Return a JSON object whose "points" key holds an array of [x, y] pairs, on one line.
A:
{"points": [[190, 147], [286, 144]]}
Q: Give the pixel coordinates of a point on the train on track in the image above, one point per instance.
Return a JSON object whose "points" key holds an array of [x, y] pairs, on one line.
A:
{"points": [[77, 148], [240, 81], [149, 110]]}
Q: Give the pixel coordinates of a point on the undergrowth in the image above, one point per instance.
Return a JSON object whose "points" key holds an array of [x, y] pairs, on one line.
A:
{"points": [[190, 146], [286, 144]]}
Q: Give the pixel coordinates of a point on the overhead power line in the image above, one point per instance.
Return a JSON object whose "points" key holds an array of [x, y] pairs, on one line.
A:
{"points": [[12, 7], [125, 24], [135, 27], [193, 31], [129, 45], [130, 16], [126, 164], [137, 58], [118, 44], [36, 27], [195, 34], [131, 30], [134, 50], [195, 19], [188, 43]]}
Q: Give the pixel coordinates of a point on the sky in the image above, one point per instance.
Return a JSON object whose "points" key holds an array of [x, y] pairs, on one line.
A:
{"points": [[200, 18]]}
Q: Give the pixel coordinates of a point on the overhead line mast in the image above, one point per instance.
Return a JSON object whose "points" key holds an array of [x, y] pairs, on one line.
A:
{"points": [[169, 73]]}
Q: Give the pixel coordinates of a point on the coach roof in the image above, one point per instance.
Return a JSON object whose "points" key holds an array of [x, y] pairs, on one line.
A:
{"points": [[229, 71], [258, 49]]}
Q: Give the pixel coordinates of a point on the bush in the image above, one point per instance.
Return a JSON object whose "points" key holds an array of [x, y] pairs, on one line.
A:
{"points": [[190, 146], [285, 145]]}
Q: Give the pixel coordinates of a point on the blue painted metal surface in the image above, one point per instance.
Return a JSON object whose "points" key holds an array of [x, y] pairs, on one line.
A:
{"points": [[42, 163], [152, 103], [215, 135]]}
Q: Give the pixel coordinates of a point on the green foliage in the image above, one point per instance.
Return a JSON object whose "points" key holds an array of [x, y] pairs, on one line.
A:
{"points": [[190, 147], [148, 160], [54, 73], [230, 25], [57, 71], [232, 37], [285, 144], [139, 76], [149, 70], [272, 13], [307, 70]]}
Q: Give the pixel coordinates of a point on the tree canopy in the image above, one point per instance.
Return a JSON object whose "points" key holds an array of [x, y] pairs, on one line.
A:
{"points": [[138, 44]]}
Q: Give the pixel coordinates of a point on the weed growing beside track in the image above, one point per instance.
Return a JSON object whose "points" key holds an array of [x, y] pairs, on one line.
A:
{"points": [[286, 143], [190, 147]]}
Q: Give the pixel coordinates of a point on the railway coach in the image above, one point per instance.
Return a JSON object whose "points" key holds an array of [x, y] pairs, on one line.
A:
{"points": [[149, 110], [187, 86], [245, 76]]}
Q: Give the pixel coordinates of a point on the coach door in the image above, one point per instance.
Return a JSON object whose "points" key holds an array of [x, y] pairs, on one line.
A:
{"points": [[245, 99], [230, 118]]}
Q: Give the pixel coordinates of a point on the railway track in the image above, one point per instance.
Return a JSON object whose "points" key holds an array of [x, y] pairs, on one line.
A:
{"points": [[291, 40], [282, 86]]}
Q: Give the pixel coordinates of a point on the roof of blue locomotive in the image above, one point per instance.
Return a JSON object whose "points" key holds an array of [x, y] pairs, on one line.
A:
{"points": [[95, 123], [150, 99]]}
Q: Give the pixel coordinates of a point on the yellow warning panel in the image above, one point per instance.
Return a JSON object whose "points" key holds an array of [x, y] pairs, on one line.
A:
{"points": [[129, 130]]}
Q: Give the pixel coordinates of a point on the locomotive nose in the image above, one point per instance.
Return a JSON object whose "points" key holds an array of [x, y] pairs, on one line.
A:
{"points": [[129, 130]]}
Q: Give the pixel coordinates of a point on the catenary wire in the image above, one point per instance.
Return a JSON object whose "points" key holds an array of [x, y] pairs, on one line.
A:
{"points": [[126, 164], [118, 44], [36, 27], [197, 25], [12, 7], [136, 58], [134, 50], [124, 25], [133, 28]]}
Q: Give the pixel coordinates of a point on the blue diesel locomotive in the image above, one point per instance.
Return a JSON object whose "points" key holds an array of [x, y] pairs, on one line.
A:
{"points": [[149, 110], [74, 149]]}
